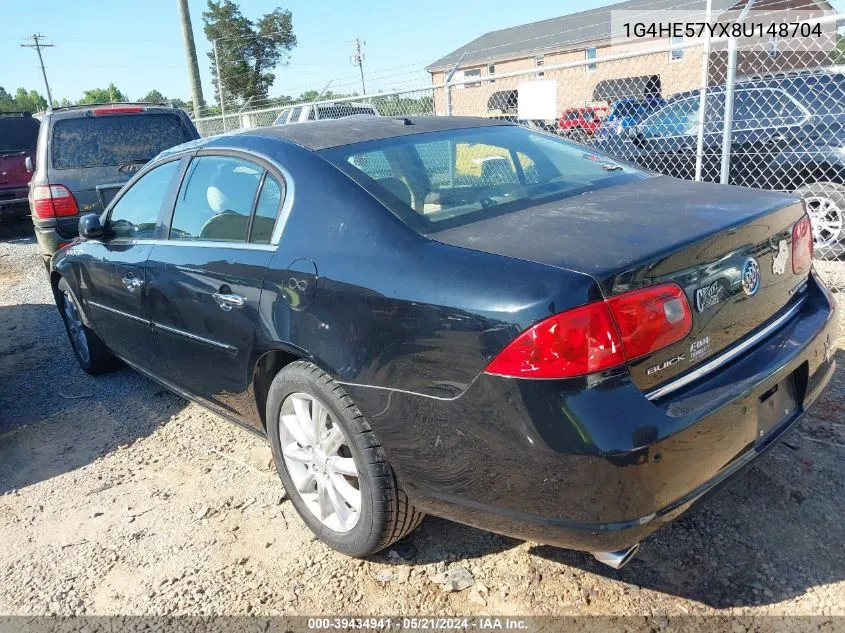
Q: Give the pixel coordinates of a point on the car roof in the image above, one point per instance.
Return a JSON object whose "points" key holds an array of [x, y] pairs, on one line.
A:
{"points": [[327, 133]]}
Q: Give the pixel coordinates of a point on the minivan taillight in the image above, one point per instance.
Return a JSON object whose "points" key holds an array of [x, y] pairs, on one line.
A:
{"points": [[802, 245], [51, 201], [598, 336]]}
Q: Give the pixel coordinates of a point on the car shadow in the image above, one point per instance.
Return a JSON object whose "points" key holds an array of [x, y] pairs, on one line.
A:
{"points": [[55, 418], [771, 534], [17, 230]]}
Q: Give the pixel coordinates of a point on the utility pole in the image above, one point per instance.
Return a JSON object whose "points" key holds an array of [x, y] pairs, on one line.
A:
{"points": [[358, 58], [219, 86], [37, 45], [191, 55]]}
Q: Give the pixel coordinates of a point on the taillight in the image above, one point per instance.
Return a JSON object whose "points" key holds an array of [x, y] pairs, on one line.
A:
{"points": [[51, 201], [651, 318], [117, 110], [802, 245], [598, 336]]}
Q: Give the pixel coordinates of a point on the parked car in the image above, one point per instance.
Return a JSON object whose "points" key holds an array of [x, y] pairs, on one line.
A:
{"points": [[18, 136], [87, 153], [787, 135], [626, 113], [298, 114], [552, 356], [579, 124]]}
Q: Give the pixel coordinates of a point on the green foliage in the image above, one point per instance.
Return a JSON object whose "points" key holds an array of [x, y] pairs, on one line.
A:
{"points": [[22, 101], [248, 51], [154, 96], [839, 54], [103, 95], [397, 105]]}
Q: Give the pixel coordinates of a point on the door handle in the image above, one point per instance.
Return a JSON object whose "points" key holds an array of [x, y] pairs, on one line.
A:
{"points": [[131, 282], [227, 301]]}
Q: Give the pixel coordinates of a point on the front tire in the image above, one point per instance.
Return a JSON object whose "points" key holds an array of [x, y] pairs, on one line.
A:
{"points": [[333, 468], [90, 351], [825, 202]]}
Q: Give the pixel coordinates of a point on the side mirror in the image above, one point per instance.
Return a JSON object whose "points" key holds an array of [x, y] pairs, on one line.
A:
{"points": [[30, 167], [90, 227]]}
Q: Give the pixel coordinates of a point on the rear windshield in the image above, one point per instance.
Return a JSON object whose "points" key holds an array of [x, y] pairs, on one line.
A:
{"points": [[96, 141], [18, 134], [439, 180]]}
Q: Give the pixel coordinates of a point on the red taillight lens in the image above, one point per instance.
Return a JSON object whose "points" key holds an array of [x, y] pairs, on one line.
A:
{"points": [[572, 343], [598, 336], [802, 245], [51, 201], [651, 318], [118, 110]]}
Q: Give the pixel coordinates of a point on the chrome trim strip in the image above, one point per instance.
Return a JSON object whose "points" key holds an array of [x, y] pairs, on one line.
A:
{"points": [[287, 204], [723, 358], [194, 337], [119, 312], [244, 246]]}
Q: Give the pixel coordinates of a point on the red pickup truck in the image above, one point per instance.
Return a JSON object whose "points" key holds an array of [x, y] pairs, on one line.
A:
{"points": [[18, 138]]}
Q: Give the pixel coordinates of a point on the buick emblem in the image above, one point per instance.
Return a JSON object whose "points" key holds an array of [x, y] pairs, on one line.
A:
{"points": [[750, 277]]}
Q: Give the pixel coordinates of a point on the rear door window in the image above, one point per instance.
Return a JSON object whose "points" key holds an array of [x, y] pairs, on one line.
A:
{"points": [[18, 134], [97, 141]]}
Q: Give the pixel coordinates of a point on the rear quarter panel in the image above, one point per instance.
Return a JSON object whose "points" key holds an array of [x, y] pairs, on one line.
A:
{"points": [[389, 308]]}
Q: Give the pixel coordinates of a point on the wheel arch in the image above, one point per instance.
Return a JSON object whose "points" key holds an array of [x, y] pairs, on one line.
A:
{"points": [[267, 366]]}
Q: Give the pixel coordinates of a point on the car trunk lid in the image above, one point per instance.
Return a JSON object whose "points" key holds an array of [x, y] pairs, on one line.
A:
{"points": [[729, 248]]}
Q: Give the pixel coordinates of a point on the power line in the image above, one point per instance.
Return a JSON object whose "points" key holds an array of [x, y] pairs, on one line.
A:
{"points": [[37, 45]]}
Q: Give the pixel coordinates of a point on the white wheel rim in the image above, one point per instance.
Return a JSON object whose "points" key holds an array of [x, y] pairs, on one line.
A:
{"points": [[826, 220], [317, 458]]}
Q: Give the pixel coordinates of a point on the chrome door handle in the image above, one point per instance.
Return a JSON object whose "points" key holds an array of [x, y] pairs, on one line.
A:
{"points": [[227, 301], [132, 283]]}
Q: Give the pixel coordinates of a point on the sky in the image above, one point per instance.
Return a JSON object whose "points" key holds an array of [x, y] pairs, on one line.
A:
{"points": [[138, 44]]}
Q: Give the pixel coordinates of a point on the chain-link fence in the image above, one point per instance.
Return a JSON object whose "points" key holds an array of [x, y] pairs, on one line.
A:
{"points": [[767, 114]]}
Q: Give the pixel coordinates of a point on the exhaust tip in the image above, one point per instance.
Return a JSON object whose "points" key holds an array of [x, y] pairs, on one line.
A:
{"points": [[619, 558]]}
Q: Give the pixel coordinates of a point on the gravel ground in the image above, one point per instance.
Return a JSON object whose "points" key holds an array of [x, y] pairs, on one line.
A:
{"points": [[117, 497]]}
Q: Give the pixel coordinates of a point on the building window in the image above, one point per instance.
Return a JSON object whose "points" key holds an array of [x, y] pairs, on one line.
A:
{"points": [[539, 62], [471, 74], [590, 53], [678, 53], [491, 72]]}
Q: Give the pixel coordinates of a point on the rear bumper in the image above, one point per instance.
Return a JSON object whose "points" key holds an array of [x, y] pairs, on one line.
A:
{"points": [[591, 464], [52, 234]]}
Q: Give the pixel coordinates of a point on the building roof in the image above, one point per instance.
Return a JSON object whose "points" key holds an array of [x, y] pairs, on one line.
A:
{"points": [[318, 135], [572, 31]]}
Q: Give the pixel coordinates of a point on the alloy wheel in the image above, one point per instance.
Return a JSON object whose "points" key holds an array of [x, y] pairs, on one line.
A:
{"points": [[826, 218], [320, 464], [75, 328]]}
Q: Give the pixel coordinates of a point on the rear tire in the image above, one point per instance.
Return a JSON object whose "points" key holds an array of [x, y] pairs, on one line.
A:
{"points": [[825, 203], [355, 461], [90, 351]]}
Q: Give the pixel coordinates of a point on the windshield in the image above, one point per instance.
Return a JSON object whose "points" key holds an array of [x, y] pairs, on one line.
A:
{"points": [[96, 141], [18, 134], [438, 180]]}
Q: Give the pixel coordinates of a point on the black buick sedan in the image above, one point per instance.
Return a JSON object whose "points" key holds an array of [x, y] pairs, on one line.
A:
{"points": [[461, 317]]}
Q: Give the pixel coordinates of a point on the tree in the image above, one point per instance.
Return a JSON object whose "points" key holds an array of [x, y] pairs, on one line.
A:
{"points": [[22, 101], [248, 51], [103, 95], [839, 54], [154, 96]]}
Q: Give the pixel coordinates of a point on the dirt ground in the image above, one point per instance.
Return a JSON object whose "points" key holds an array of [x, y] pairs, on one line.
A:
{"points": [[117, 497]]}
